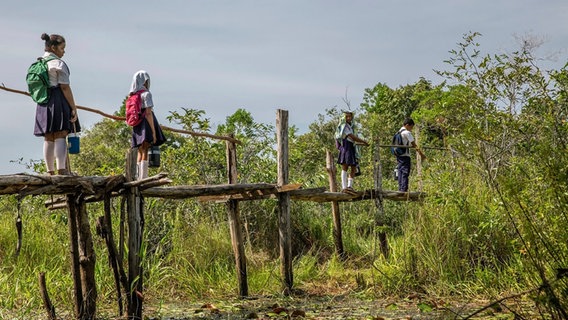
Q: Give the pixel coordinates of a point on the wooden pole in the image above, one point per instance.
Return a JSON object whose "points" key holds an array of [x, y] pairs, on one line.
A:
{"points": [[235, 222], [380, 213], [121, 231], [74, 252], [337, 233], [49, 308], [87, 260], [135, 230], [113, 260], [284, 202], [418, 159]]}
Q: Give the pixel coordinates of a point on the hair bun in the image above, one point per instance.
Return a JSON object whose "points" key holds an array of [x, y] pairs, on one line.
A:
{"points": [[44, 36]]}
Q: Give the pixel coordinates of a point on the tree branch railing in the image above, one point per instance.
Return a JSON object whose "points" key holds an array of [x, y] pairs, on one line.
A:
{"points": [[118, 118]]}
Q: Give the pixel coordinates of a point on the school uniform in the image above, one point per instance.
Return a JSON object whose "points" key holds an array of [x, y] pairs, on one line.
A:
{"points": [[347, 151], [55, 115], [403, 160], [143, 132]]}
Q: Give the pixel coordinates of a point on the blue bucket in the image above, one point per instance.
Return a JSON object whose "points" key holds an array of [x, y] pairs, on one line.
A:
{"points": [[73, 143]]}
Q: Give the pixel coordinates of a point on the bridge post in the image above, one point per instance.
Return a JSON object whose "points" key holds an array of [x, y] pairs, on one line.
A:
{"points": [[337, 233], [235, 222], [135, 208], [284, 201], [380, 213]]}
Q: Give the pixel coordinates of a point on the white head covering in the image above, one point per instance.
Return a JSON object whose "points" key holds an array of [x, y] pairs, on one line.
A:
{"points": [[138, 80]]}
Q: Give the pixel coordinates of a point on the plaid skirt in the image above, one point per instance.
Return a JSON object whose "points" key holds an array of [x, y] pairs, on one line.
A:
{"points": [[142, 132], [55, 115], [347, 154]]}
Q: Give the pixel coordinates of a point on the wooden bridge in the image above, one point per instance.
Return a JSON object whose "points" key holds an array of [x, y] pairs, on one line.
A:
{"points": [[73, 192]]}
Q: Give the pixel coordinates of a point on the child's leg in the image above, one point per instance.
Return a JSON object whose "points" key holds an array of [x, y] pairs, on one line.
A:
{"points": [[351, 176], [143, 151], [61, 154], [344, 176], [49, 153], [143, 160]]}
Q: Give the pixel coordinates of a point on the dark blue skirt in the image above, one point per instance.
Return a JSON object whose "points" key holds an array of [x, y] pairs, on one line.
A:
{"points": [[347, 153], [55, 115], [142, 132]]}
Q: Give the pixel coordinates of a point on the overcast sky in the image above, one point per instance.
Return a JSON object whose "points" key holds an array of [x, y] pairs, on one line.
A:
{"points": [[300, 55]]}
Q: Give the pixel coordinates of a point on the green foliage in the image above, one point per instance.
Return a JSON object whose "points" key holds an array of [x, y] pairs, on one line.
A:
{"points": [[103, 149], [256, 153]]}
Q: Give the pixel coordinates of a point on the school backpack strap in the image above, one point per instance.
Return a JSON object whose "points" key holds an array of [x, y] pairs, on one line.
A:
{"points": [[37, 79], [396, 142]]}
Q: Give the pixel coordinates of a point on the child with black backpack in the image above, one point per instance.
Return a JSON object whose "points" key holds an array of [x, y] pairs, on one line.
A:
{"points": [[148, 132], [56, 112], [403, 154]]}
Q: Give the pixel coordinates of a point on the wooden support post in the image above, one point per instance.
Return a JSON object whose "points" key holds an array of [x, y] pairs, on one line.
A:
{"points": [[87, 260], [49, 308], [74, 251], [121, 231], [418, 159], [135, 230], [380, 213], [235, 222], [284, 202], [337, 233], [112, 255]]}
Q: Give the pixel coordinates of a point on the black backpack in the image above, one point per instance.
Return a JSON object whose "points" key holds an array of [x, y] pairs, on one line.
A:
{"points": [[397, 141]]}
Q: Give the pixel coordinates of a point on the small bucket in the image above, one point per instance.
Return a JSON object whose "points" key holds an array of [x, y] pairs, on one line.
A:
{"points": [[154, 157], [73, 143]]}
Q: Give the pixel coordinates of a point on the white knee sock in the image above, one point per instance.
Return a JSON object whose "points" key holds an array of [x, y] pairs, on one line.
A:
{"points": [[143, 172], [350, 183], [343, 179], [61, 153], [48, 155]]}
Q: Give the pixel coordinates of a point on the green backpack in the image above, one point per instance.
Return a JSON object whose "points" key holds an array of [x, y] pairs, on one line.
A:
{"points": [[38, 80]]}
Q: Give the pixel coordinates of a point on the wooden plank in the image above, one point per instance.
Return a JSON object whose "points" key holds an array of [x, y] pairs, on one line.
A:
{"points": [[358, 196], [253, 195], [289, 187], [185, 191], [28, 184]]}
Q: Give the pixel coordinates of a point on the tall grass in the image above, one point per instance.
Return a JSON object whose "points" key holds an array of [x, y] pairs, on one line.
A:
{"points": [[456, 242]]}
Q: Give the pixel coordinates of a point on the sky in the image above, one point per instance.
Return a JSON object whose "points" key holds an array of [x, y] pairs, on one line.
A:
{"points": [[304, 56]]}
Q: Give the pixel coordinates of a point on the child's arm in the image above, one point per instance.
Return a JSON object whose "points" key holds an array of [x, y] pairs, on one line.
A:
{"points": [[68, 94], [150, 118]]}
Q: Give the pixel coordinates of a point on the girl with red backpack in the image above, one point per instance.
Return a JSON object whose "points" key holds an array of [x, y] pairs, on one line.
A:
{"points": [[148, 132]]}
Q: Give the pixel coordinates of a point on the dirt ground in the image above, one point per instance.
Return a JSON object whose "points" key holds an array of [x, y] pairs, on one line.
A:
{"points": [[338, 307], [315, 307]]}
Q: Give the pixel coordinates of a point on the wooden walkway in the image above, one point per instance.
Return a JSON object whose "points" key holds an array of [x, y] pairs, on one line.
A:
{"points": [[94, 187]]}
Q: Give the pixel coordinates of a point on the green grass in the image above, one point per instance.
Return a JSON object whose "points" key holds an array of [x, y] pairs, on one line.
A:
{"points": [[454, 243]]}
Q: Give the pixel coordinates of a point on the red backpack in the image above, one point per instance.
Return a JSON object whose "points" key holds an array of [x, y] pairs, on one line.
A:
{"points": [[134, 113]]}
